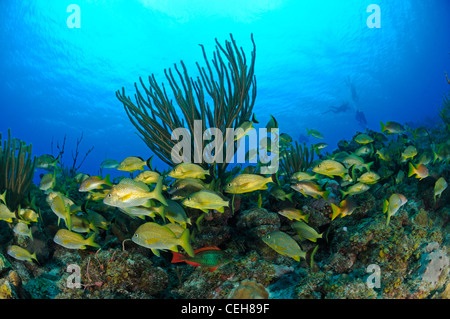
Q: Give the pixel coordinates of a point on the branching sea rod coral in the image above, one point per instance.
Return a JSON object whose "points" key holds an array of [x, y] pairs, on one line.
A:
{"points": [[298, 158], [230, 84], [16, 170]]}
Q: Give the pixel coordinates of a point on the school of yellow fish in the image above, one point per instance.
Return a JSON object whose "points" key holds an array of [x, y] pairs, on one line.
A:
{"points": [[396, 157]]}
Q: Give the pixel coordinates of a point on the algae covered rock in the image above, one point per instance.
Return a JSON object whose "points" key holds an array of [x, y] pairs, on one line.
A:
{"points": [[249, 289], [4, 264], [115, 274]]}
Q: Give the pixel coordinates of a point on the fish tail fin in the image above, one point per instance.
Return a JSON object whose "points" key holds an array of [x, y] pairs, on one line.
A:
{"points": [[412, 170], [3, 197], [325, 194], [383, 127], [306, 218], [368, 165], [91, 241], [177, 258], [336, 211], [435, 156], [149, 162], [33, 256], [289, 197], [157, 192], [185, 242], [254, 119], [308, 132], [108, 180], [385, 206], [344, 193], [161, 211]]}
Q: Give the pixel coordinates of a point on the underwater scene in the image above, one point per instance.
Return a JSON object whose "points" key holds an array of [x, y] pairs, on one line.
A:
{"points": [[186, 150]]}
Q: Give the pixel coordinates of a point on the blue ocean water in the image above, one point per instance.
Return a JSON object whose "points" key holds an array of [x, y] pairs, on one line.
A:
{"points": [[59, 81]]}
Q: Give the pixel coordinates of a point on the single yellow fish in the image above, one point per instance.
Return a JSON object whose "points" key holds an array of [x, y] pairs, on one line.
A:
{"points": [[6, 214], [392, 127], [314, 133], [302, 176], [134, 163], [28, 215], [22, 229], [154, 236], [408, 153], [175, 213], [421, 171], [188, 170], [245, 128], [439, 187], [292, 213], [280, 194], [46, 161], [245, 183], [94, 182], [20, 253], [148, 177], [383, 154], [364, 150], [205, 200], [369, 178], [363, 139], [47, 181], [355, 189], [345, 208], [130, 193], [356, 161], [392, 205], [330, 168], [308, 188], [60, 207], [284, 244], [305, 231], [73, 240]]}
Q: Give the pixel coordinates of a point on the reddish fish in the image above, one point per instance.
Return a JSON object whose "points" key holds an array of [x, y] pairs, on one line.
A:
{"points": [[210, 257]]}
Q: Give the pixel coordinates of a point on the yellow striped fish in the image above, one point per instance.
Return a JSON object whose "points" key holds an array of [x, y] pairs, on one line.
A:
{"points": [[245, 183], [20, 253], [73, 240], [154, 236], [6, 214], [283, 244], [130, 193], [205, 200]]}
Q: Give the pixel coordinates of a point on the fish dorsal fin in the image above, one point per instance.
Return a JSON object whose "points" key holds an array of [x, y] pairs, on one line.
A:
{"points": [[206, 248], [134, 184]]}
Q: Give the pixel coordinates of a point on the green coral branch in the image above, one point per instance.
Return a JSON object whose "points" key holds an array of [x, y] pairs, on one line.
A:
{"points": [[297, 158]]}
